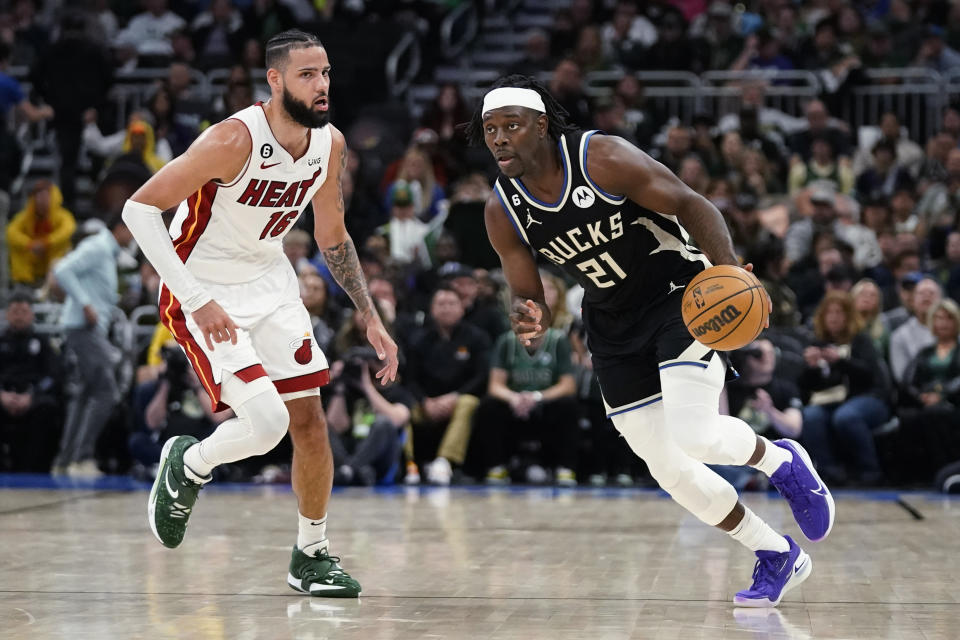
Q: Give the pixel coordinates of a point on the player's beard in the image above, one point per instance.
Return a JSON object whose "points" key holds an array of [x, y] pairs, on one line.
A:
{"points": [[302, 113]]}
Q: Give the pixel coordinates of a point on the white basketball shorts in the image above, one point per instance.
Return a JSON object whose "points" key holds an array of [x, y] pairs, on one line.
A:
{"points": [[274, 335]]}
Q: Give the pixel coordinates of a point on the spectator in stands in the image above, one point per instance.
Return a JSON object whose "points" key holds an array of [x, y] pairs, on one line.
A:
{"points": [[172, 137], [885, 176], [948, 268], [589, 51], [769, 120], [933, 384], [867, 302], [903, 205], [761, 50], [416, 175], [74, 74], [189, 109], [934, 54], [678, 145], [819, 124], [148, 33], [483, 314], [720, 43], [880, 51], [835, 62], [139, 146], [30, 416], [264, 18], [365, 420], [325, 315], [406, 233], [770, 405], [536, 55], [911, 337], [566, 86], [448, 364], [934, 166], [445, 112], [693, 173], [908, 153], [769, 265], [173, 405], [30, 36], [731, 149], [799, 238], [744, 221], [673, 50], [530, 397], [217, 35], [555, 295], [296, 246], [844, 388], [12, 97], [39, 234], [627, 34], [88, 275], [640, 113], [823, 166]]}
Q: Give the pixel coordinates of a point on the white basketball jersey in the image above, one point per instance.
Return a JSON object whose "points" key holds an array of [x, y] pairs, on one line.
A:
{"points": [[231, 233]]}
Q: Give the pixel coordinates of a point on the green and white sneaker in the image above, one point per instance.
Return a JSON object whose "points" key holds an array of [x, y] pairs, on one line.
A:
{"points": [[173, 494], [320, 575]]}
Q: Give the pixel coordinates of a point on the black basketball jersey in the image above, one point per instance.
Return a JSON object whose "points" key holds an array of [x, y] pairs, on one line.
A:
{"points": [[625, 256]]}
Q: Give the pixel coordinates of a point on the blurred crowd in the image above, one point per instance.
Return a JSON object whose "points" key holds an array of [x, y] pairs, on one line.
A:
{"points": [[853, 231]]}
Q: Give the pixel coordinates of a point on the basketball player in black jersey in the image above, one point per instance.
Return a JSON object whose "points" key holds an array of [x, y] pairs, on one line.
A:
{"points": [[617, 222]]}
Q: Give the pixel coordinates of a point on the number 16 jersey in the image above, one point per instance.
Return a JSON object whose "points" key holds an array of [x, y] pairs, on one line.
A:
{"points": [[626, 257], [232, 232]]}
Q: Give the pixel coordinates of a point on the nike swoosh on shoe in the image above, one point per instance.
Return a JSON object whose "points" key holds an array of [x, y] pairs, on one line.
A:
{"points": [[166, 480]]}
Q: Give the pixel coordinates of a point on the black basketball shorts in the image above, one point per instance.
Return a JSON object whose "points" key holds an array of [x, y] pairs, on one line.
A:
{"points": [[629, 348]]}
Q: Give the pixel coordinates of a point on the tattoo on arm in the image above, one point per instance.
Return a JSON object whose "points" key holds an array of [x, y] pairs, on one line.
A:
{"points": [[705, 224], [343, 167], [344, 265]]}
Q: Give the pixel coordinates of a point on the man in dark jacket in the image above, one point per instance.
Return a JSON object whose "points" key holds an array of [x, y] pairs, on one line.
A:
{"points": [[447, 373], [29, 417], [74, 75]]}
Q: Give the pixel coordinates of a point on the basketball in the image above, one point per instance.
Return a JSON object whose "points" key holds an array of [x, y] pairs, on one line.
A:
{"points": [[724, 307]]}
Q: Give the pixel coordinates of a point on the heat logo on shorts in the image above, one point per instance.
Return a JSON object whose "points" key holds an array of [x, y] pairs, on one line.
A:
{"points": [[304, 350], [725, 317]]}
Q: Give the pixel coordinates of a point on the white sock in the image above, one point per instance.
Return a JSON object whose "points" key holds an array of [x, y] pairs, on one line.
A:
{"points": [[756, 535], [312, 536], [773, 457], [195, 465]]}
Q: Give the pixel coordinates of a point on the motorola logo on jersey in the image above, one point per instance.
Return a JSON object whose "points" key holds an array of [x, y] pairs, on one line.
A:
{"points": [[580, 239], [583, 197]]}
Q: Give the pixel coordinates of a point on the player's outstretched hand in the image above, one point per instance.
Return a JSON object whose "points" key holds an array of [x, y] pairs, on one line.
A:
{"points": [[386, 350], [215, 324], [526, 317], [749, 267]]}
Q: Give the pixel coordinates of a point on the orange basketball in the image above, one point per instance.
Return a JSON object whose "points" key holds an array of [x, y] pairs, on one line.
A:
{"points": [[724, 307]]}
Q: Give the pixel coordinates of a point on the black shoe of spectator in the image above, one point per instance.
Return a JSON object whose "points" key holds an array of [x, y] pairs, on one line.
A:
{"points": [[366, 476]]}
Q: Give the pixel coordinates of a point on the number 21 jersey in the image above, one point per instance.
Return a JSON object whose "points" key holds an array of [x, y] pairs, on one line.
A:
{"points": [[625, 256]]}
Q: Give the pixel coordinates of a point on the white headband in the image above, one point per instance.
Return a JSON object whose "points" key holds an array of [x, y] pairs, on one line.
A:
{"points": [[513, 97]]}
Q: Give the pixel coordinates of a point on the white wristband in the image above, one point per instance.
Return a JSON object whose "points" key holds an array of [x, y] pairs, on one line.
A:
{"points": [[146, 225]]}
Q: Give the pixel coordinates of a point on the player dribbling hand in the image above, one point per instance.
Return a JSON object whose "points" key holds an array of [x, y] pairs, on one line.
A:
{"points": [[527, 320]]}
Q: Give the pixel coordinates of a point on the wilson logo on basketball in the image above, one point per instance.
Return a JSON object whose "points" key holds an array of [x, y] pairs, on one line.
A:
{"points": [[725, 317], [304, 350]]}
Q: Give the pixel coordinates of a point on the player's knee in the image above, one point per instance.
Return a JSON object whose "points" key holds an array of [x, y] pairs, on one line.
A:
{"points": [[268, 418], [692, 427]]}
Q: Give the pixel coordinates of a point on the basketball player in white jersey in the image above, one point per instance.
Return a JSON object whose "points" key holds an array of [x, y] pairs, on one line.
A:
{"points": [[230, 296]]}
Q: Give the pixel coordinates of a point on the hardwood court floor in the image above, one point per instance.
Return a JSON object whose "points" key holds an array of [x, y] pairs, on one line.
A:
{"points": [[465, 564]]}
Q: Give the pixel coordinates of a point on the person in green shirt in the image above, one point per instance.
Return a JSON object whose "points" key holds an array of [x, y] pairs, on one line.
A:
{"points": [[531, 396]]}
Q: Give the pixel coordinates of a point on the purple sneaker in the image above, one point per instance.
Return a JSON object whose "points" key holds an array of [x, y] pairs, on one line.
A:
{"points": [[800, 484], [775, 574]]}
